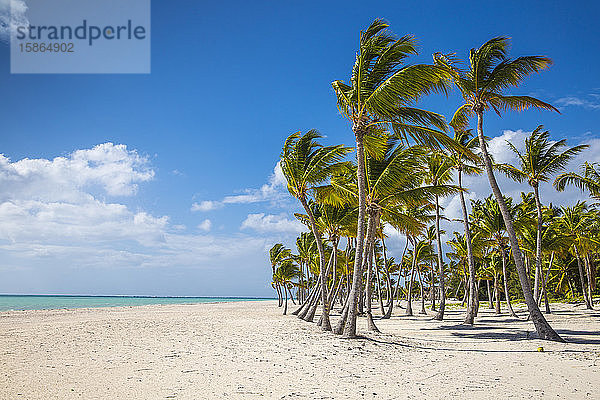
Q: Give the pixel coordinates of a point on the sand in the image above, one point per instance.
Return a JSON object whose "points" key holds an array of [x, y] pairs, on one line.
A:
{"points": [[248, 350]]}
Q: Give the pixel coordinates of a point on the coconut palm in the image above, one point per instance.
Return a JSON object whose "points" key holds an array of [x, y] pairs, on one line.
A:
{"points": [[381, 93], [284, 275], [439, 172], [575, 222], [419, 256], [589, 180], [463, 165], [305, 163], [277, 254], [482, 87], [391, 181], [306, 247], [538, 162], [489, 221]]}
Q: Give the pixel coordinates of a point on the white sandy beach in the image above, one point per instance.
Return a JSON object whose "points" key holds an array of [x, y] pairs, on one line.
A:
{"points": [[249, 350]]}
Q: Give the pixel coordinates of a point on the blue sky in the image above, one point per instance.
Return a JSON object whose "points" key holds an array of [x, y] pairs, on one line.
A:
{"points": [[229, 81]]}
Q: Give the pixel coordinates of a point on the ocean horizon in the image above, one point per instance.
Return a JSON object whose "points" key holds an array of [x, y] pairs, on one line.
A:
{"points": [[20, 302]]}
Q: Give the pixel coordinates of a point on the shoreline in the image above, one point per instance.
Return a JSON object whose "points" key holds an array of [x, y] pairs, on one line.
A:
{"points": [[245, 350]]}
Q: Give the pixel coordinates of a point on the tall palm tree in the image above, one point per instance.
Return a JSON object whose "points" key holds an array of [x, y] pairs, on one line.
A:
{"points": [[391, 181], [538, 162], [439, 172], [381, 93], [305, 163], [482, 87], [488, 219], [463, 165]]}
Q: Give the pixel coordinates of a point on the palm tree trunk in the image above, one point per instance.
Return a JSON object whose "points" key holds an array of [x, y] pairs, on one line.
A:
{"points": [[545, 284], [432, 289], [586, 261], [306, 302], [410, 284], [582, 279], [544, 330], [399, 272], [286, 300], [310, 315], [538, 243], [471, 309], [421, 291], [505, 279], [379, 295], [490, 299], [440, 315], [369, 288], [326, 325], [497, 294], [353, 296], [388, 313]]}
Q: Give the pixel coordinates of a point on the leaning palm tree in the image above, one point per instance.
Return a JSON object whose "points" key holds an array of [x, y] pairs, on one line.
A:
{"points": [[538, 162], [381, 94], [463, 165], [277, 254], [482, 87], [284, 276], [305, 164]]}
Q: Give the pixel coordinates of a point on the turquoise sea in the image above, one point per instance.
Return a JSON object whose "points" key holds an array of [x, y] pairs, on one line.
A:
{"points": [[45, 302]]}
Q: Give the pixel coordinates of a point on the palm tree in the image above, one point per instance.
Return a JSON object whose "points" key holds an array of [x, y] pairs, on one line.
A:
{"points": [[391, 181], [488, 219], [489, 74], [305, 164], [589, 180], [277, 254], [439, 172], [575, 222], [284, 275], [306, 246], [540, 160], [462, 165], [381, 93], [421, 255]]}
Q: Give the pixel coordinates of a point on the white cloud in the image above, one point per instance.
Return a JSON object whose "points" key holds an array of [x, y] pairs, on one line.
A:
{"points": [[55, 212], [479, 186], [205, 225], [272, 191], [207, 205], [272, 223], [573, 101]]}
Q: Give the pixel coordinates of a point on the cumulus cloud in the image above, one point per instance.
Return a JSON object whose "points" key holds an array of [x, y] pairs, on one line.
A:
{"points": [[65, 211], [272, 223], [205, 225], [271, 191], [9, 21], [207, 205]]}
